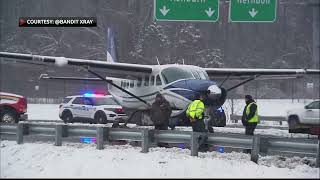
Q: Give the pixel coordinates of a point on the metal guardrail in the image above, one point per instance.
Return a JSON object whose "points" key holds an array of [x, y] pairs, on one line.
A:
{"points": [[261, 118], [258, 144]]}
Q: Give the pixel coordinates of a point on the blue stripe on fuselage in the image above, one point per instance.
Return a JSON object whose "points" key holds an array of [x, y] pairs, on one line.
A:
{"points": [[192, 84], [189, 88]]}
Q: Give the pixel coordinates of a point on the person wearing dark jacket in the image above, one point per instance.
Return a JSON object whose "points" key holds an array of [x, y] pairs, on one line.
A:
{"points": [[250, 117], [160, 113]]}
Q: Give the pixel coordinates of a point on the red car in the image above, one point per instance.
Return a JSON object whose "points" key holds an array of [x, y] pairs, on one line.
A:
{"points": [[13, 108]]}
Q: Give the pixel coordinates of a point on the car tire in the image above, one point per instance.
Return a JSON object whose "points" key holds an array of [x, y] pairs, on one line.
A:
{"points": [[67, 117], [9, 117], [100, 118], [293, 121]]}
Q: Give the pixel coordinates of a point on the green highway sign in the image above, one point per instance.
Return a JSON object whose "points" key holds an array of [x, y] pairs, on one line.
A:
{"points": [[253, 10], [186, 10]]}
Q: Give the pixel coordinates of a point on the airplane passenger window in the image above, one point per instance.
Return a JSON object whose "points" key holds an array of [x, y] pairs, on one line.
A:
{"points": [[131, 83], [158, 80], [146, 81], [128, 84], [174, 73], [139, 82], [151, 80]]}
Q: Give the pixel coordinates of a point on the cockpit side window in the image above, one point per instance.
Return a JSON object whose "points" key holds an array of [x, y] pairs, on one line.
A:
{"points": [[171, 74]]}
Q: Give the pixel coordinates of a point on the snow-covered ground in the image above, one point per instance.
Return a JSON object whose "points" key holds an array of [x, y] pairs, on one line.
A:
{"points": [[80, 160], [76, 160]]}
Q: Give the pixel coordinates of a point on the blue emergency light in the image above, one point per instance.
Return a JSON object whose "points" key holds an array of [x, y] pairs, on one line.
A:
{"points": [[88, 139]]}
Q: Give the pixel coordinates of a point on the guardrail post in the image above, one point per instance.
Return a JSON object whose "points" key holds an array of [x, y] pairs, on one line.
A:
{"points": [[255, 148], [106, 133], [99, 138], [20, 133], [64, 130], [194, 143], [58, 137], [25, 129], [145, 141], [318, 153]]}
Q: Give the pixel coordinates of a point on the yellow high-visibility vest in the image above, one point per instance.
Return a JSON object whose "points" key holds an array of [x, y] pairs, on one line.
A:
{"points": [[195, 109], [255, 118]]}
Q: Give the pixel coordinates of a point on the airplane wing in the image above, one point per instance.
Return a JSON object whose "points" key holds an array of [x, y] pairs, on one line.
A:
{"points": [[262, 74], [112, 68], [45, 76]]}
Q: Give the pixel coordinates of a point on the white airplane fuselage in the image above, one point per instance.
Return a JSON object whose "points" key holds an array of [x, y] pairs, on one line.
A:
{"points": [[179, 84]]}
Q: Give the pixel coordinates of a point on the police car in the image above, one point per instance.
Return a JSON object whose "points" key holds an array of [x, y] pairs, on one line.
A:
{"points": [[93, 107]]}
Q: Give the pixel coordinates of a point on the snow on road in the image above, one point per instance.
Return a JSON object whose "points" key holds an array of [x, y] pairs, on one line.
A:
{"points": [[43, 160]]}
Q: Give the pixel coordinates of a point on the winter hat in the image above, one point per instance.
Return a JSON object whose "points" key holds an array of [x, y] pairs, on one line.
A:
{"points": [[248, 97]]}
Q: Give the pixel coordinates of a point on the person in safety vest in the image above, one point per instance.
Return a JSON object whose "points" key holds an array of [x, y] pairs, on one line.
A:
{"points": [[195, 113], [250, 117]]}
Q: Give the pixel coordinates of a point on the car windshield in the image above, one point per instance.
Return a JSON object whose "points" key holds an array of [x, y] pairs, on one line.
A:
{"points": [[173, 73], [314, 105], [103, 101]]}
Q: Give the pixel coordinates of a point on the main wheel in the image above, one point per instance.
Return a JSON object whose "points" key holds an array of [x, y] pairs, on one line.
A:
{"points": [[67, 117]]}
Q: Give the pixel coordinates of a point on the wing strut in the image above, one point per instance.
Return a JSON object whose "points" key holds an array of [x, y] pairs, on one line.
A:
{"points": [[123, 90], [225, 80], [250, 79]]}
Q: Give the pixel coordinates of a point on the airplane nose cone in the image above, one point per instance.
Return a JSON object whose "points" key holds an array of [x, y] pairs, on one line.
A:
{"points": [[214, 92]]}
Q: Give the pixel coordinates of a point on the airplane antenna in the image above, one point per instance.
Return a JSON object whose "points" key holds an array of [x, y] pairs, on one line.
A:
{"points": [[158, 60]]}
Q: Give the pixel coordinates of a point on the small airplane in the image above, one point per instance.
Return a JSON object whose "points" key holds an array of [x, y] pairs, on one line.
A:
{"points": [[178, 83]]}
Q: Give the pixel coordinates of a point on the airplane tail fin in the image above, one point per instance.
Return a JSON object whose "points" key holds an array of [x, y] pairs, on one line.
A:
{"points": [[111, 47]]}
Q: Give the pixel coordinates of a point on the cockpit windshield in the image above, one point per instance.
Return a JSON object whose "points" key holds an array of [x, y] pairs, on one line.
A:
{"points": [[171, 74], [198, 74]]}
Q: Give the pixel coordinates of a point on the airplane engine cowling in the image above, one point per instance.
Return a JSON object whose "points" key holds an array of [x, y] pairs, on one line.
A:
{"points": [[216, 102]]}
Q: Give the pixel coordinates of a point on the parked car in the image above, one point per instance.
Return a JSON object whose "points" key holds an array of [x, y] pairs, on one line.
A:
{"points": [[92, 107], [13, 108], [306, 117]]}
